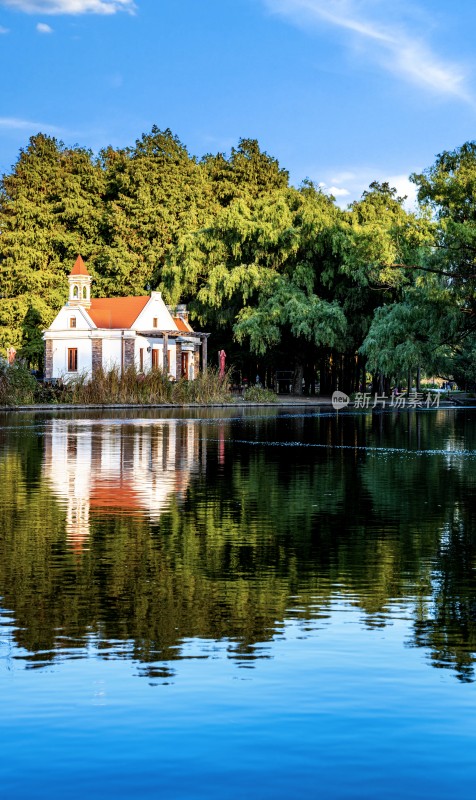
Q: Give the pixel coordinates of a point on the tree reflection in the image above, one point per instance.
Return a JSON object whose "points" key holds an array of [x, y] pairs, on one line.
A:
{"points": [[144, 535]]}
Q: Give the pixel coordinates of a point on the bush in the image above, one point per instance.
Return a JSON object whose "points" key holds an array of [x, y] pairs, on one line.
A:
{"points": [[256, 394], [53, 392], [17, 384]]}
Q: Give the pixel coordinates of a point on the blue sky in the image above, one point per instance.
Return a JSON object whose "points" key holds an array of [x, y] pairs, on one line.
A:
{"points": [[340, 91]]}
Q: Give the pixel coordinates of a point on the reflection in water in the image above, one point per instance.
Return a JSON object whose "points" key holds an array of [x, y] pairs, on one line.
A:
{"points": [[139, 537], [111, 468]]}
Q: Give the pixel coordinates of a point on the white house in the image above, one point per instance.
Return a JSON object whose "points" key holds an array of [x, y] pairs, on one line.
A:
{"points": [[105, 332]]}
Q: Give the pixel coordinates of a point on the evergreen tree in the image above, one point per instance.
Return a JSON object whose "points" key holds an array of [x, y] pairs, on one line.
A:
{"points": [[154, 191], [50, 210], [248, 173]]}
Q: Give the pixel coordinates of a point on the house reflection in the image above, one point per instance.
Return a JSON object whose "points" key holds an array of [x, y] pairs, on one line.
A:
{"points": [[115, 467]]}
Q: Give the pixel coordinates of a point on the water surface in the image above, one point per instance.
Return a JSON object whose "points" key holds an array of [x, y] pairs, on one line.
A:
{"points": [[223, 604]]}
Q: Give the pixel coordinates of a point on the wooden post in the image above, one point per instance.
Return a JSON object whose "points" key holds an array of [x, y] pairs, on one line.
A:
{"points": [[204, 353]]}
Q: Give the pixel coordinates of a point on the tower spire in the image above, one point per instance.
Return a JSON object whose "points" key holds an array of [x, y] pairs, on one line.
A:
{"points": [[79, 285]]}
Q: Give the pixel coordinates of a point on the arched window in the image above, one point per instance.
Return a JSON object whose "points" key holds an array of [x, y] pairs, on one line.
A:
{"points": [[85, 293], [75, 292]]}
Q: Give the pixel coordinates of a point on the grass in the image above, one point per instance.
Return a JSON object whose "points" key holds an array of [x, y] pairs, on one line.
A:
{"points": [[19, 387], [150, 388]]}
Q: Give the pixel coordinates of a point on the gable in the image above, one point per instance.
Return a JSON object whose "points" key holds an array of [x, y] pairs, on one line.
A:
{"points": [[62, 321], [155, 310]]}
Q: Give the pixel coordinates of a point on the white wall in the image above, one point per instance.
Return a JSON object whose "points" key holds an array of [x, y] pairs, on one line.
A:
{"points": [[60, 357], [155, 344], [111, 353]]}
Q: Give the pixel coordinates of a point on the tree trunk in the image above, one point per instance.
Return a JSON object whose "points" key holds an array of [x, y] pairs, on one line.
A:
{"points": [[297, 379]]}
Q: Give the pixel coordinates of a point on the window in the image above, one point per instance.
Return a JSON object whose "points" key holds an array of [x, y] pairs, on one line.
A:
{"points": [[155, 322], [75, 292], [72, 359], [141, 359], [85, 293], [72, 322], [155, 358]]}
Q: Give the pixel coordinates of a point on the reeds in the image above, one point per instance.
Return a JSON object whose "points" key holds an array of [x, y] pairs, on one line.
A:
{"points": [[110, 387]]}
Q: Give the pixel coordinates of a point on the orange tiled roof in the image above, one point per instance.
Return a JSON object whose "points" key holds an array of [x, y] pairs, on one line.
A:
{"points": [[79, 267], [182, 325], [116, 312]]}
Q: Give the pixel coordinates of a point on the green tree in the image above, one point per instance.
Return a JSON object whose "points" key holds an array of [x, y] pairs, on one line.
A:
{"points": [[385, 253], [257, 270], [248, 173], [154, 191], [50, 210], [433, 322]]}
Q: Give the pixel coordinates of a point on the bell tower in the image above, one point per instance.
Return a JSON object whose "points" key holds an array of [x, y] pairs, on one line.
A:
{"points": [[79, 285]]}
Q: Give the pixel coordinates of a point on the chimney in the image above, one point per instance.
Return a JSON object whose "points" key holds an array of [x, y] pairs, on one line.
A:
{"points": [[181, 311]]}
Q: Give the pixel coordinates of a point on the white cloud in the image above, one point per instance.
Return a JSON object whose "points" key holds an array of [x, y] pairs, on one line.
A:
{"points": [[404, 188], [3, 30], [13, 123], [348, 185], [338, 191], [388, 41], [43, 28], [70, 6]]}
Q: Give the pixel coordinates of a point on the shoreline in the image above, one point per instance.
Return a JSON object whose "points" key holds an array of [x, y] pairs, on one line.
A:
{"points": [[294, 402]]}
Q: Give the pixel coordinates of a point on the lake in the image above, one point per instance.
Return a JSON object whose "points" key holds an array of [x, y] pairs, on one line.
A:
{"points": [[264, 603]]}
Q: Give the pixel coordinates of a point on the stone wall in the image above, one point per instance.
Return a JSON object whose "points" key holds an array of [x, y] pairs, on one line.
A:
{"points": [[129, 346], [96, 354], [48, 359], [178, 361]]}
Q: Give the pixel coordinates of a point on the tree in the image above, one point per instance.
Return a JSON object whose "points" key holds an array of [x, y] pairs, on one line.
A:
{"points": [[386, 248], [436, 320], [248, 173], [154, 192], [50, 210], [257, 270]]}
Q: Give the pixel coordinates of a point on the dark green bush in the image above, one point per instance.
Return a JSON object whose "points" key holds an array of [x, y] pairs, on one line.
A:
{"points": [[17, 384]]}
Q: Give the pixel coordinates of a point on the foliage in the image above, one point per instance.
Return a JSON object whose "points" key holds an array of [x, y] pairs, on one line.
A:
{"points": [[417, 330], [384, 238], [17, 384], [257, 394], [280, 276], [433, 324], [257, 269], [248, 173], [153, 191], [50, 210]]}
